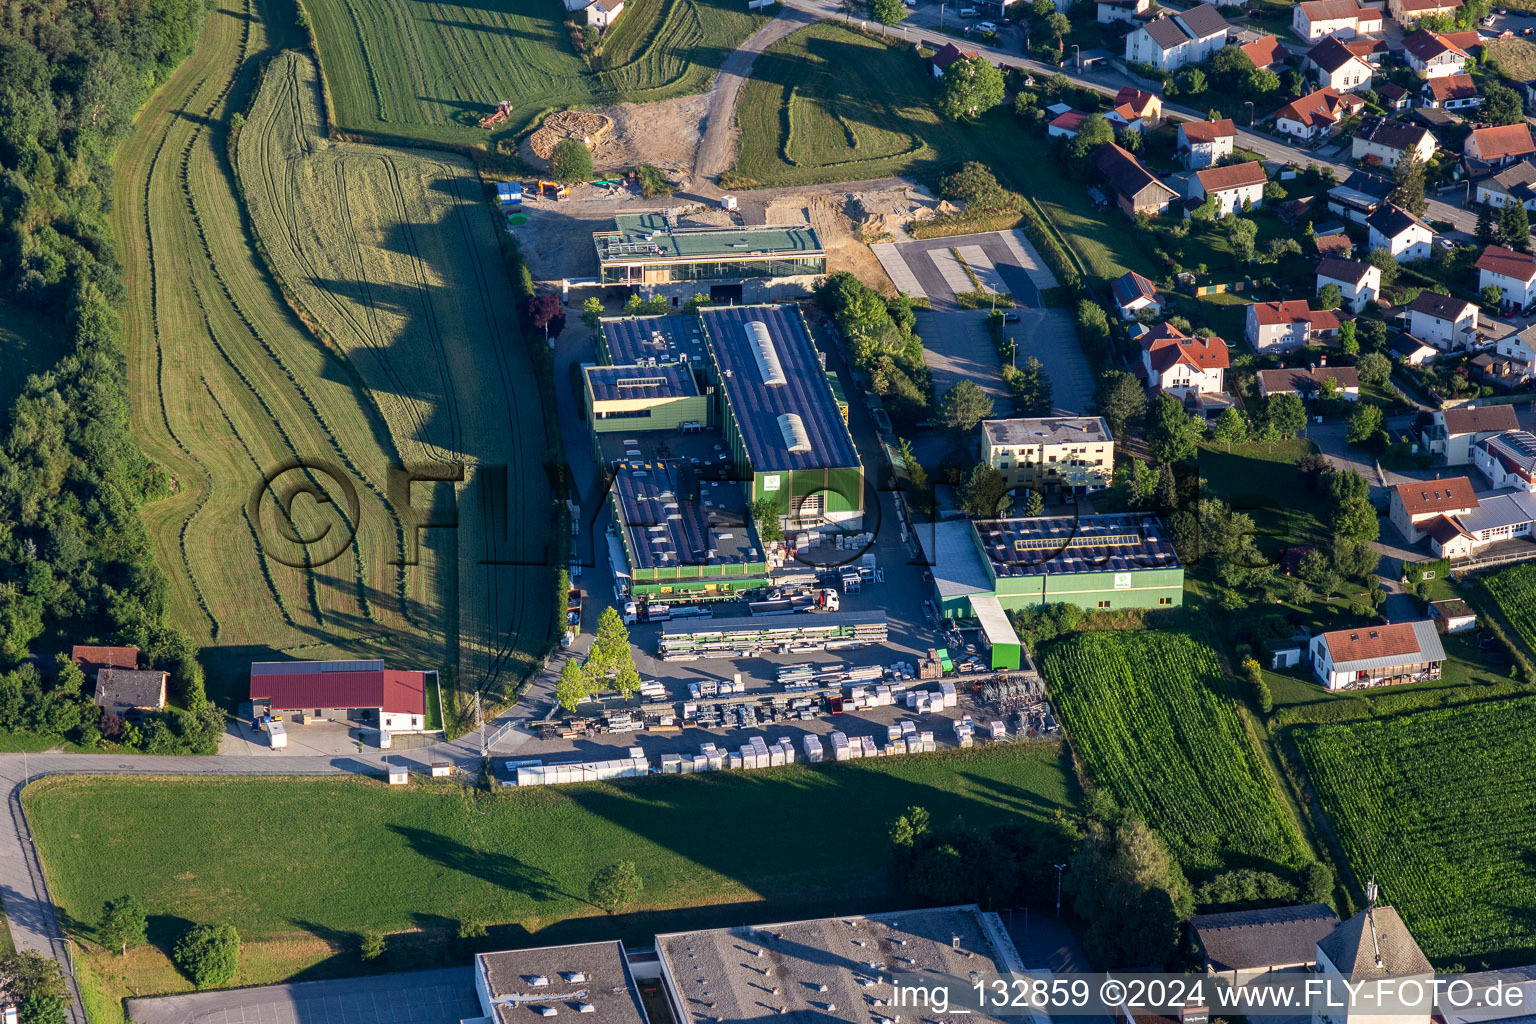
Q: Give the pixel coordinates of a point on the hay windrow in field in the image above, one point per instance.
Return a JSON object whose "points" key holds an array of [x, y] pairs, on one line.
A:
{"points": [[1440, 806], [431, 70], [1148, 713], [226, 385], [392, 252]]}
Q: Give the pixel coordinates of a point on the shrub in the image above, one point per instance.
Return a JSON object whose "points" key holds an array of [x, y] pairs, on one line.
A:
{"points": [[570, 161], [372, 946], [208, 954]]}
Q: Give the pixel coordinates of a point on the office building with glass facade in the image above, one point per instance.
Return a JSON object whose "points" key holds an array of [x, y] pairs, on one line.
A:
{"points": [[651, 253]]}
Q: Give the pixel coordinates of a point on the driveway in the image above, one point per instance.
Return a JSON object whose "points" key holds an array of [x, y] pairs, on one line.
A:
{"points": [[417, 997]]}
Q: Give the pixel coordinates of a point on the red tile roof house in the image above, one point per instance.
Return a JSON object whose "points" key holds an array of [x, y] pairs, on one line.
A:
{"points": [[1453, 92], [1386, 655], [1202, 143], [1266, 52], [1134, 108], [362, 693], [1233, 186], [93, 659], [1513, 272], [1183, 366], [1500, 146], [1279, 326], [1316, 113], [947, 55], [1066, 125], [1418, 503]]}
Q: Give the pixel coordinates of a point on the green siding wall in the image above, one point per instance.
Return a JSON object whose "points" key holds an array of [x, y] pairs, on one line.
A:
{"points": [[694, 408]]}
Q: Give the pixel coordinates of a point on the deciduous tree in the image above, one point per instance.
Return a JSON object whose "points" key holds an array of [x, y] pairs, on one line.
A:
{"points": [[970, 86], [124, 923], [1172, 433], [570, 161], [887, 12], [1120, 399], [983, 492]]}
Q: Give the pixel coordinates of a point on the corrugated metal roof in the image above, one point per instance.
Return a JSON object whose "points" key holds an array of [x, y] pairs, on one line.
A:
{"points": [[296, 685]]}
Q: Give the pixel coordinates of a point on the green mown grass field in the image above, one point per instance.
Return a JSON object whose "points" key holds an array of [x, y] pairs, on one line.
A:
{"points": [[1439, 805], [829, 103], [430, 71], [1150, 715], [279, 858]]}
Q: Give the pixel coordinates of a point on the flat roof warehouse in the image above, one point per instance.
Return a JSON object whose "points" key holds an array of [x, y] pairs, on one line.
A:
{"points": [[1100, 543], [671, 519], [650, 238], [776, 389]]}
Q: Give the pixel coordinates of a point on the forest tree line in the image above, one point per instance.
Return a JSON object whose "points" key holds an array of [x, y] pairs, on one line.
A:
{"points": [[76, 564]]}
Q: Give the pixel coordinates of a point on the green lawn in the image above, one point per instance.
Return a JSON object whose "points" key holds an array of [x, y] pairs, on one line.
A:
{"points": [[434, 715], [1263, 481], [430, 70], [829, 103], [332, 857]]}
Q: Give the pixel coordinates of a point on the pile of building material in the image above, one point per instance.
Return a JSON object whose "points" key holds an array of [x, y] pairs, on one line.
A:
{"points": [[622, 721], [965, 731], [930, 667], [841, 751], [756, 753], [633, 766], [743, 637], [998, 729], [650, 689], [813, 749], [568, 124]]}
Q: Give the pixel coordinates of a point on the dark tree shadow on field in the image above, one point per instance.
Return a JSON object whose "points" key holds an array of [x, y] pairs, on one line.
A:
{"points": [[165, 930], [497, 868]]}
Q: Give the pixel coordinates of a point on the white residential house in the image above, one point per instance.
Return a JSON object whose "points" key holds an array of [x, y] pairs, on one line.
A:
{"points": [[1336, 66], [1358, 282], [1442, 321], [1408, 12], [1514, 184], [1174, 42], [1183, 366], [1111, 11], [1203, 143], [1399, 232], [1353, 659], [1280, 326], [1451, 92], [1415, 504], [1384, 142], [1517, 356], [1317, 113], [1134, 294], [1066, 125], [1232, 186], [1451, 433], [1433, 55], [1317, 19], [1508, 460], [1514, 273], [1501, 145]]}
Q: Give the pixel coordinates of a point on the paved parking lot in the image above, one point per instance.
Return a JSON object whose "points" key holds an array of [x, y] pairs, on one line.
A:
{"points": [[1004, 261], [417, 997]]}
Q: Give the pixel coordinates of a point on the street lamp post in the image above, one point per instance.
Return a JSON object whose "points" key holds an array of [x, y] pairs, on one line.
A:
{"points": [[1059, 869], [1249, 105], [1077, 58]]}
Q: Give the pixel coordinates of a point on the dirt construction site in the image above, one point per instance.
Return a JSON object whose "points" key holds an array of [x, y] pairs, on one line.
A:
{"points": [[556, 240]]}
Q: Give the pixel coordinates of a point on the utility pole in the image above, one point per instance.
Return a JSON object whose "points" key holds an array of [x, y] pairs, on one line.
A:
{"points": [[1059, 869], [1077, 58]]}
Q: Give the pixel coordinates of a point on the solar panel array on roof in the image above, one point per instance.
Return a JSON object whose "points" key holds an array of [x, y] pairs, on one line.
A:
{"points": [[1066, 544], [635, 341], [670, 522], [630, 383], [756, 405]]}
